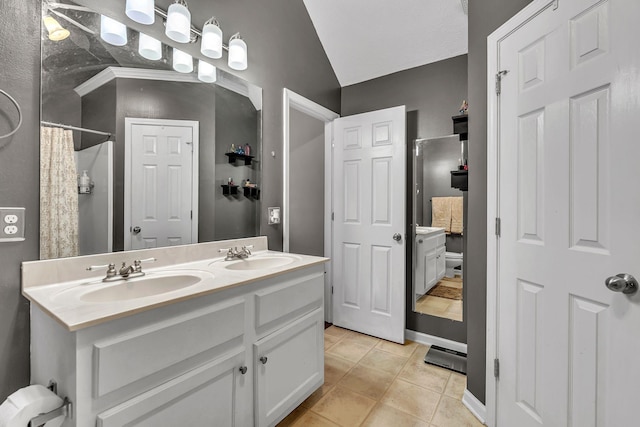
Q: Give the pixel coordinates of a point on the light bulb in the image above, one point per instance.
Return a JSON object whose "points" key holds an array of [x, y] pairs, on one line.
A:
{"points": [[112, 31], [149, 48], [211, 45], [206, 72], [178, 23], [182, 62], [141, 11], [56, 32], [237, 53]]}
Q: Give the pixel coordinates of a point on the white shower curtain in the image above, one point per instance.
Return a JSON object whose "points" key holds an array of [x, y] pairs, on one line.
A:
{"points": [[58, 194]]}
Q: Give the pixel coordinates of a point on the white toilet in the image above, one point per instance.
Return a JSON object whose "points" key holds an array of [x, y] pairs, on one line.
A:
{"points": [[452, 260]]}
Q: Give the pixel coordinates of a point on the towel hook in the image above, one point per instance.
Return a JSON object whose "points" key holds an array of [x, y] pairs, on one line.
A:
{"points": [[19, 114]]}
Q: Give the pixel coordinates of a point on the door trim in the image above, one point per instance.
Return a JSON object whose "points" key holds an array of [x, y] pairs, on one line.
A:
{"points": [[493, 186], [128, 123], [291, 99]]}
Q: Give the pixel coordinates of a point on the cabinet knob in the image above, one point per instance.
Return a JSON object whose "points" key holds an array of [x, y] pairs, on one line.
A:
{"points": [[263, 359], [243, 370]]}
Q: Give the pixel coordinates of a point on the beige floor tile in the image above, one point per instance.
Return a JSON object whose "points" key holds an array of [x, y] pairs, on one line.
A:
{"points": [[366, 381], [428, 376], [387, 416], [344, 407], [316, 396], [361, 339], [397, 349], [456, 385], [452, 413], [335, 368], [411, 399], [311, 419], [292, 417], [383, 361], [335, 331], [349, 350], [329, 341]]}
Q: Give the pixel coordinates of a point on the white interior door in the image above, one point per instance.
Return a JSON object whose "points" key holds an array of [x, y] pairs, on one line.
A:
{"points": [[570, 211], [369, 209], [163, 184]]}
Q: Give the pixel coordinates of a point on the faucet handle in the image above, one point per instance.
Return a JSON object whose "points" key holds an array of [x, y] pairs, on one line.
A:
{"points": [[247, 248], [137, 264], [227, 250], [109, 267]]}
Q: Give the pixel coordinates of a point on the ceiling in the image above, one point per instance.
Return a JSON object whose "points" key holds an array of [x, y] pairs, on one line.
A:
{"points": [[365, 39]]}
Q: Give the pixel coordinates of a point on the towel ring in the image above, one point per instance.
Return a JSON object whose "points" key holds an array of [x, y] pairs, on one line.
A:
{"points": [[19, 114]]}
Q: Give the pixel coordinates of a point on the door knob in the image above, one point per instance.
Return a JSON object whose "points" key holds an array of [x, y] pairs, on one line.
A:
{"points": [[397, 237], [136, 230], [243, 370], [263, 359], [625, 283]]}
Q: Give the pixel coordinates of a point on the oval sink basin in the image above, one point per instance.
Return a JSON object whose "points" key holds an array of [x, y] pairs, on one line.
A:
{"points": [[142, 287], [258, 263]]}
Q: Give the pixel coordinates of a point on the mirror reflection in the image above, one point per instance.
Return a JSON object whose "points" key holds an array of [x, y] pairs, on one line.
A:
{"points": [[134, 154], [439, 218]]}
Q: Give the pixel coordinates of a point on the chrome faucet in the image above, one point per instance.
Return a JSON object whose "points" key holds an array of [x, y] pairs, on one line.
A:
{"points": [[234, 253], [125, 272]]}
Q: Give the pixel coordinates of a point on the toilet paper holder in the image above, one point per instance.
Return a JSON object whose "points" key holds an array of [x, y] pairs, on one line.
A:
{"points": [[65, 409]]}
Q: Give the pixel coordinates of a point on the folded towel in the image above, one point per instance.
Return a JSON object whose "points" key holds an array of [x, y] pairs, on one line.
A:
{"points": [[441, 213], [456, 215]]}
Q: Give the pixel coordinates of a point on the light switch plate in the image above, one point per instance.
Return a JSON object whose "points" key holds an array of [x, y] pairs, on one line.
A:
{"points": [[11, 224], [274, 215]]}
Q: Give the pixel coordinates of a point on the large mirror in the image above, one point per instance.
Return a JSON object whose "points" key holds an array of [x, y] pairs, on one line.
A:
{"points": [[134, 154], [439, 226]]}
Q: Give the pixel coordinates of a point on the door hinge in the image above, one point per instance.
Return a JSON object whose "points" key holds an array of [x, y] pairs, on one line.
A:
{"points": [[333, 216], [498, 225], [191, 214], [496, 368], [332, 290], [499, 75]]}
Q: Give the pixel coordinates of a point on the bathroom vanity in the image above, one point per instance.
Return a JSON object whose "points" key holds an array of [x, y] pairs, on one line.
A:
{"points": [[196, 341], [430, 258]]}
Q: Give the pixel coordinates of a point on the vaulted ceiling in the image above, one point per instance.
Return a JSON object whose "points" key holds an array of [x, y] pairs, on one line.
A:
{"points": [[365, 39]]}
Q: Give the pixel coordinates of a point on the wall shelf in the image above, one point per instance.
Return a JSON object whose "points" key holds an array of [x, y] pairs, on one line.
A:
{"points": [[252, 192], [235, 156], [459, 180], [229, 189], [461, 126]]}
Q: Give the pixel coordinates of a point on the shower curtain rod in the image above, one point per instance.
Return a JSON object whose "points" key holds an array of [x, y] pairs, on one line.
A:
{"points": [[97, 132]]}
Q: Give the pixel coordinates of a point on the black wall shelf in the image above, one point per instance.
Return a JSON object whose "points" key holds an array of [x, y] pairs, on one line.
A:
{"points": [[459, 180], [229, 189], [461, 126], [235, 156], [252, 192]]}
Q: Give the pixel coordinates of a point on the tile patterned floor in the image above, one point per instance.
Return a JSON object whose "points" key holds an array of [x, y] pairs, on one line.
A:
{"points": [[442, 307], [375, 383]]}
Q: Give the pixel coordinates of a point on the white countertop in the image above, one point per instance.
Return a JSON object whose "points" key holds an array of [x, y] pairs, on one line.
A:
{"points": [[65, 301], [424, 231]]}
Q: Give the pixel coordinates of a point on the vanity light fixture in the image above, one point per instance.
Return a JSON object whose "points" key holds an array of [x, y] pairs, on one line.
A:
{"points": [[182, 62], [237, 53], [112, 31], [211, 45], [206, 72], [149, 48], [179, 22], [56, 31], [142, 11]]}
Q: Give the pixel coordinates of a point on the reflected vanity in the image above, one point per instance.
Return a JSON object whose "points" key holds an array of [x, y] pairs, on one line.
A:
{"points": [[157, 163], [438, 219]]}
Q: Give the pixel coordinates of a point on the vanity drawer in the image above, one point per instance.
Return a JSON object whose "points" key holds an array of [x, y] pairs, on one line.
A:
{"points": [[279, 304], [122, 360], [442, 240]]}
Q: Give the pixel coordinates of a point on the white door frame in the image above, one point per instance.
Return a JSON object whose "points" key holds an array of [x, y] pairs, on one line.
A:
{"points": [[493, 184], [291, 99], [128, 123]]}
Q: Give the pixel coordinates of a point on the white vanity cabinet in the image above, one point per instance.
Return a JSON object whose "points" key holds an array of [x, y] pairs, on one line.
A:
{"points": [[242, 356], [430, 260]]}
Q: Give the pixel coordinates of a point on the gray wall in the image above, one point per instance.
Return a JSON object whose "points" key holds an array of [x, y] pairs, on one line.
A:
{"points": [[19, 182], [432, 94], [306, 184], [484, 18], [272, 30]]}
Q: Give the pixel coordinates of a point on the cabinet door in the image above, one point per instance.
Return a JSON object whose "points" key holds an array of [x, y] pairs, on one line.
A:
{"points": [[440, 263], [212, 394], [431, 270], [289, 367]]}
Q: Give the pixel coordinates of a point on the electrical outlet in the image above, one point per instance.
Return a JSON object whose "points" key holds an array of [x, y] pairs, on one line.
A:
{"points": [[274, 215], [12, 224]]}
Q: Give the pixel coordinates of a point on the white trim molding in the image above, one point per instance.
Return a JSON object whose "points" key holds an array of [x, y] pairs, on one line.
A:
{"points": [[493, 105], [474, 406], [427, 339]]}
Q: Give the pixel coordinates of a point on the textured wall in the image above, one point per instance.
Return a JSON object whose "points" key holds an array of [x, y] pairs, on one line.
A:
{"points": [[284, 51], [432, 93], [484, 18]]}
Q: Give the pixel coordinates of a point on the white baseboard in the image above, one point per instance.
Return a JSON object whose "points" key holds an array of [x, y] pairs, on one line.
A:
{"points": [[475, 406], [427, 339]]}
